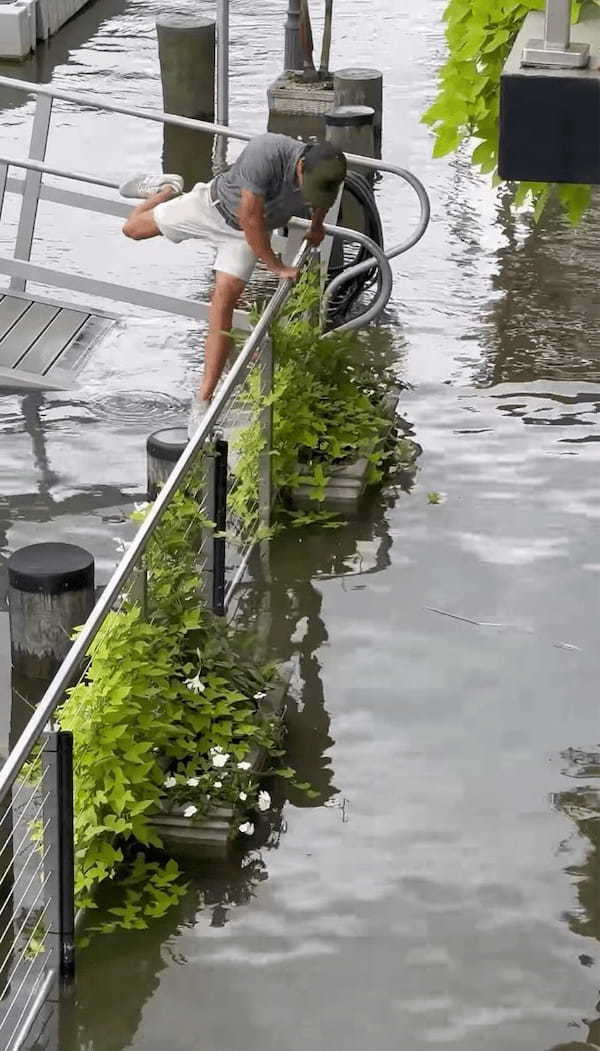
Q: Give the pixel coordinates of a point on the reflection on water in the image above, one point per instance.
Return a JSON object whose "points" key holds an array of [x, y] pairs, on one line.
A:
{"points": [[544, 316], [293, 632], [581, 804]]}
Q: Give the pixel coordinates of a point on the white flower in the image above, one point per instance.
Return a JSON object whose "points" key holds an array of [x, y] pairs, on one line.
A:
{"points": [[195, 684], [220, 759], [190, 811], [259, 696], [243, 796], [142, 507], [247, 828], [193, 782], [170, 782], [264, 801], [218, 784], [244, 765]]}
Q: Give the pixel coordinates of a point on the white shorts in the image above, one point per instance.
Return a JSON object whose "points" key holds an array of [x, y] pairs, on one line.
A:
{"points": [[194, 214]]}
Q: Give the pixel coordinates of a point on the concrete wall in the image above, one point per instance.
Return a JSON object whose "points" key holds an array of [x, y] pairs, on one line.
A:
{"points": [[24, 22], [52, 14]]}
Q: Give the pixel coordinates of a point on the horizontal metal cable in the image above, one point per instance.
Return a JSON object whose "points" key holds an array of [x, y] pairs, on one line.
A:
{"points": [[23, 896], [15, 1000], [34, 1010], [17, 852], [27, 943], [24, 924]]}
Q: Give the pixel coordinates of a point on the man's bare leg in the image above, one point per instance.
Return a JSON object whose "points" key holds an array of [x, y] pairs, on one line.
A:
{"points": [[224, 300], [141, 224]]}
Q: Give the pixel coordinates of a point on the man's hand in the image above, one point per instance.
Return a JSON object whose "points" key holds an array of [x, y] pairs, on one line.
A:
{"points": [[315, 235], [287, 273], [317, 231]]}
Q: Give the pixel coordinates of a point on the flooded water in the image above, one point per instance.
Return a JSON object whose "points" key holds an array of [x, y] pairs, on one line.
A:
{"points": [[443, 889]]}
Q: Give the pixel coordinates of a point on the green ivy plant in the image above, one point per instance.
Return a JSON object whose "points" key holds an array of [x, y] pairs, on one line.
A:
{"points": [[480, 35], [169, 691], [328, 409], [168, 710]]}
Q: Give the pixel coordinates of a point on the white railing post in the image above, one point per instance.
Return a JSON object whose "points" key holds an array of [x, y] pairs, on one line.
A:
{"points": [[222, 61], [33, 181], [265, 497], [556, 50]]}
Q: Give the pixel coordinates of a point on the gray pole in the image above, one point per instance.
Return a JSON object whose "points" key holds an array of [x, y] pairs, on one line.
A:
{"points": [[293, 57], [186, 49], [558, 24], [326, 45], [222, 61], [361, 87], [51, 592], [163, 449], [556, 50]]}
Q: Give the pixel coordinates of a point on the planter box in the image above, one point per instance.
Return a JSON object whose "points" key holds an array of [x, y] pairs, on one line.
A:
{"points": [[299, 109], [212, 836], [347, 482], [290, 95]]}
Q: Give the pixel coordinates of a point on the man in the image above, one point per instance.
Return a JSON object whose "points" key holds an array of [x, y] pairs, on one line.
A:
{"points": [[275, 177]]}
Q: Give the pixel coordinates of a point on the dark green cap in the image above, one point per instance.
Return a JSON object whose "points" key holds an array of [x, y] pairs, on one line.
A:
{"points": [[324, 170]]}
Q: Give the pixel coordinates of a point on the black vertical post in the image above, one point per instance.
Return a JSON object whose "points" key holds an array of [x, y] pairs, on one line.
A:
{"points": [[67, 854], [221, 449]]}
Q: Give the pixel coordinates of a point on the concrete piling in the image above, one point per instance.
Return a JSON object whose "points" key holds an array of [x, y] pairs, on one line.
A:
{"points": [[357, 86], [186, 49], [351, 129]]}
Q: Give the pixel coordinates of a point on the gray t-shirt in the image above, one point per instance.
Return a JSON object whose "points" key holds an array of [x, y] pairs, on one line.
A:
{"points": [[266, 167]]}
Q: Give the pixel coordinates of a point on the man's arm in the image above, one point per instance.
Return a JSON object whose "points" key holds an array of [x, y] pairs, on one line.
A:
{"points": [[316, 233], [252, 221]]}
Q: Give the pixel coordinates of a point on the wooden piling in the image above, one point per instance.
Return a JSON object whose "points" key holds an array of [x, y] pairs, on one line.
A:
{"points": [[186, 49], [351, 129], [356, 86]]}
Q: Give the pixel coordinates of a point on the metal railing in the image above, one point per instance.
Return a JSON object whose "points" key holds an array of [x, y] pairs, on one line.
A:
{"points": [[223, 560], [39, 947], [21, 269]]}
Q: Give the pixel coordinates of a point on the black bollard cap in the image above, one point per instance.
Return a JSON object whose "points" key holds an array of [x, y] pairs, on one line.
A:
{"points": [[350, 116], [51, 569], [167, 444]]}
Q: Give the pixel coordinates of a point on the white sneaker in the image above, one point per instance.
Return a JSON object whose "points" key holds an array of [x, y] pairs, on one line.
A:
{"points": [[198, 410], [148, 185]]}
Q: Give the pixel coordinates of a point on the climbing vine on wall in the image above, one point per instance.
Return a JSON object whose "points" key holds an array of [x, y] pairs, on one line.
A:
{"points": [[480, 35]]}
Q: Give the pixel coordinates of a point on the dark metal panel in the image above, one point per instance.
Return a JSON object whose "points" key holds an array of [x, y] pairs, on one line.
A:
{"points": [[54, 339], [27, 329]]}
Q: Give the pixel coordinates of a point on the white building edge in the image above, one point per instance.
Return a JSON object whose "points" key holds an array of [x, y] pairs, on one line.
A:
{"points": [[24, 22]]}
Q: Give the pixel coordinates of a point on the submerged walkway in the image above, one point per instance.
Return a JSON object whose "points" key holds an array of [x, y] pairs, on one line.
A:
{"points": [[445, 666]]}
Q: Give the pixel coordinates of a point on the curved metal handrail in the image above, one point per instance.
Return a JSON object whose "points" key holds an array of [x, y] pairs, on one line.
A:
{"points": [[380, 259], [72, 662], [400, 249], [160, 117], [71, 665]]}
